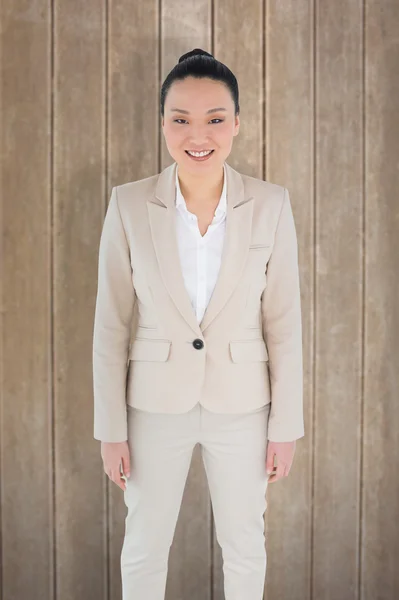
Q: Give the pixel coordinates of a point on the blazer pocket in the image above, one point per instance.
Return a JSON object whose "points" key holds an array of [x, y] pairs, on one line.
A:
{"points": [[150, 350], [256, 246], [248, 351]]}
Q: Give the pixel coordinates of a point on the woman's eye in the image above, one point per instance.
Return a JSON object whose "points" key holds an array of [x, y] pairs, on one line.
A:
{"points": [[216, 119]]}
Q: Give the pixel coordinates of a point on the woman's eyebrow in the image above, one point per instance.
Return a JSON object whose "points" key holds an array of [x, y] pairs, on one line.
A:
{"points": [[186, 112]]}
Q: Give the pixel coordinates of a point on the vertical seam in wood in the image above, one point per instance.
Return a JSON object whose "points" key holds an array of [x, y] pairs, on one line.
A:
{"points": [[51, 399], [363, 306]]}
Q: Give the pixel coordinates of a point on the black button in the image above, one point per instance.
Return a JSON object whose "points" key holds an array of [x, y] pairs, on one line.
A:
{"points": [[198, 344]]}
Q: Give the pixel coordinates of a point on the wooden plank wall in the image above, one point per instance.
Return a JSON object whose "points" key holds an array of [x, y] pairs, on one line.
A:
{"points": [[319, 85]]}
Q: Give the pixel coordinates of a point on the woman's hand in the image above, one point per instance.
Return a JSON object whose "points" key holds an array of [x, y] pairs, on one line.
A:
{"points": [[284, 452], [116, 460]]}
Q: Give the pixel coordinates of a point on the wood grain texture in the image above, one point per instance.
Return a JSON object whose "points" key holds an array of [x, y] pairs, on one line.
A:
{"points": [[290, 162], [79, 163], [339, 297], [26, 386], [319, 91], [379, 573]]}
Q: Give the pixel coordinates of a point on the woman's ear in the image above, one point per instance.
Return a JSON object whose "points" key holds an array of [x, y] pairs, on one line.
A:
{"points": [[237, 125]]}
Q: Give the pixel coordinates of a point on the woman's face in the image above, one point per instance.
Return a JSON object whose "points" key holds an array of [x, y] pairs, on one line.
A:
{"points": [[199, 114]]}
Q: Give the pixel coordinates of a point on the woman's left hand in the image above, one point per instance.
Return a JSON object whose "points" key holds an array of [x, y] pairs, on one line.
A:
{"points": [[284, 452]]}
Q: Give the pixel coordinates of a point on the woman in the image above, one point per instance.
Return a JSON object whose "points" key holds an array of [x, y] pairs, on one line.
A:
{"points": [[197, 338]]}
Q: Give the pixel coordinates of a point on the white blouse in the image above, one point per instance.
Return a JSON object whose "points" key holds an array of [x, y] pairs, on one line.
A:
{"points": [[200, 256]]}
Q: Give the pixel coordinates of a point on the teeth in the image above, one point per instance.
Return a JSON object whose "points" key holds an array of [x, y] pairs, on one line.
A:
{"points": [[205, 153]]}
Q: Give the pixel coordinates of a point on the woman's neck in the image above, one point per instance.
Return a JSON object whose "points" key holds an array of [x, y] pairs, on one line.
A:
{"points": [[199, 189]]}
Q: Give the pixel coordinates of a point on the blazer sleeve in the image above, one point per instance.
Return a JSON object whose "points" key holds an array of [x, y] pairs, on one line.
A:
{"points": [[112, 325], [282, 331]]}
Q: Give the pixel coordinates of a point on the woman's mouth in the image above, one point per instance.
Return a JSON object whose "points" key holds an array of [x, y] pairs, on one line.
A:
{"points": [[199, 156]]}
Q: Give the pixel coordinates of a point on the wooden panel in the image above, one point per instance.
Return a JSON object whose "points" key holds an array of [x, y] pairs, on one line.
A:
{"points": [[331, 532], [339, 292], [289, 162], [380, 510], [247, 152], [186, 25], [79, 163], [133, 130], [26, 415]]}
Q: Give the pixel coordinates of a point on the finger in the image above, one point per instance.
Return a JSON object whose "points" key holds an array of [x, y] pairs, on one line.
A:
{"points": [[124, 484], [125, 466], [273, 476], [270, 461], [279, 472], [280, 469], [119, 479], [121, 482]]}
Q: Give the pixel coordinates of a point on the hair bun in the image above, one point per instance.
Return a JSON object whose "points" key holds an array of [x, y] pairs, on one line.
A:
{"points": [[195, 52]]}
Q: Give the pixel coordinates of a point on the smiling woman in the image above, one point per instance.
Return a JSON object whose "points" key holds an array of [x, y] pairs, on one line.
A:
{"points": [[206, 257]]}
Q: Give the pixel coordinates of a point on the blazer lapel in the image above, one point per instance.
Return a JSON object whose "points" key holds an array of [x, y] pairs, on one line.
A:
{"points": [[162, 218]]}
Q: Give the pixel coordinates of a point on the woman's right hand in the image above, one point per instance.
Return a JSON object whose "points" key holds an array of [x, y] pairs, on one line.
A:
{"points": [[115, 456]]}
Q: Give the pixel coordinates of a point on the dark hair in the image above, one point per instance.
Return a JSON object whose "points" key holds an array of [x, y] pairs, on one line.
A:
{"points": [[200, 64]]}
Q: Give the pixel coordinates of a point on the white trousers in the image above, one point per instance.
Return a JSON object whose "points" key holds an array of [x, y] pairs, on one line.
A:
{"points": [[233, 449]]}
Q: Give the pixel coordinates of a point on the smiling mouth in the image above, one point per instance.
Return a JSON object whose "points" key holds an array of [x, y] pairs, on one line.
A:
{"points": [[207, 152]]}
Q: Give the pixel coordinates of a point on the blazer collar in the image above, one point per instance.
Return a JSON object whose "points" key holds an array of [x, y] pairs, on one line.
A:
{"points": [[162, 219]]}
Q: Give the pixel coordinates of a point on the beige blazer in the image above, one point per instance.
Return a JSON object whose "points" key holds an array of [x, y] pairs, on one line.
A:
{"points": [[148, 348]]}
